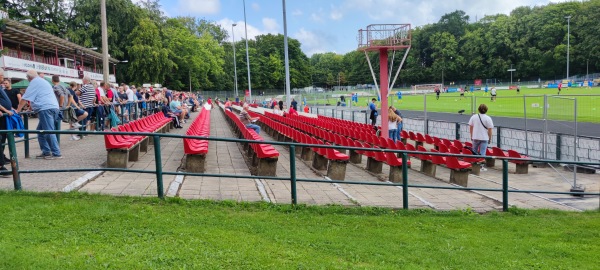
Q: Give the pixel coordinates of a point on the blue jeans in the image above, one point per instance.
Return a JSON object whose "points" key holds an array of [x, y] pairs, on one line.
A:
{"points": [[398, 131], [255, 127], [480, 146], [392, 134], [48, 142]]}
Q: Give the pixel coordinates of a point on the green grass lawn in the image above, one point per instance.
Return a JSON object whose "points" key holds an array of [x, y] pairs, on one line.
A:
{"points": [[78, 231], [508, 103]]}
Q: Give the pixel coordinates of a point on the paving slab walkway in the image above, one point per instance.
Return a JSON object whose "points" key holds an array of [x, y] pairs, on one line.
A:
{"points": [[143, 184], [222, 158]]}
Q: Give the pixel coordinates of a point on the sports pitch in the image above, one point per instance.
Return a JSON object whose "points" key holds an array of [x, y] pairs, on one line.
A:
{"points": [[508, 103]]}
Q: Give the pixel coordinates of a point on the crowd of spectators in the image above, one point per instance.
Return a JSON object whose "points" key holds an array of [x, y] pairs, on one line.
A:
{"points": [[91, 105]]}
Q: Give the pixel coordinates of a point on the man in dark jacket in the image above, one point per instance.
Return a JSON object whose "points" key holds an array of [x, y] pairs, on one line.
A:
{"points": [[5, 106]]}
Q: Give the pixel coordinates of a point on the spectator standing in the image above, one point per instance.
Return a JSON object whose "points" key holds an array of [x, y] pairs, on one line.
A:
{"points": [[295, 104], [168, 94], [13, 94], [5, 107], [87, 99], [393, 121], [480, 128], [44, 103], [131, 99], [281, 105], [400, 124], [61, 93], [373, 108]]}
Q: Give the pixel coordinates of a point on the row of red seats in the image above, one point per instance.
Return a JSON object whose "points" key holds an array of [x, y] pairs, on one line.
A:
{"points": [[150, 124], [284, 126], [262, 150], [439, 143], [445, 145], [200, 127]]}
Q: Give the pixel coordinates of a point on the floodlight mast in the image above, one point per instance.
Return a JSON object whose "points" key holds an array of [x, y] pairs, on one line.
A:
{"points": [[381, 38]]}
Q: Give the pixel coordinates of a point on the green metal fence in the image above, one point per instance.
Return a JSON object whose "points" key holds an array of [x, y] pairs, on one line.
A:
{"points": [[16, 172]]}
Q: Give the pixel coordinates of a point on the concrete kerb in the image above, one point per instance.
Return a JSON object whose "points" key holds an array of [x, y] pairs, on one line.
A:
{"points": [[82, 181]]}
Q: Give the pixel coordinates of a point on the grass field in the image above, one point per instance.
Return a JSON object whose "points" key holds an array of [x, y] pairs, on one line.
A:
{"points": [[508, 103], [78, 231]]}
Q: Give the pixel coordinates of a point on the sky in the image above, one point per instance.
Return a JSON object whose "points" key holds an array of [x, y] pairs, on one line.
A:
{"points": [[331, 25]]}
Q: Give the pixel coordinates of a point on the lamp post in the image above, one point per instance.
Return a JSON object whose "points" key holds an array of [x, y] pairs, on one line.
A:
{"points": [[234, 61], [287, 60], [247, 55], [568, 41], [104, 40]]}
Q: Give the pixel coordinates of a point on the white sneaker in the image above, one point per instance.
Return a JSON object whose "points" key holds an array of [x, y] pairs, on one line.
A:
{"points": [[483, 169], [75, 138], [76, 125]]}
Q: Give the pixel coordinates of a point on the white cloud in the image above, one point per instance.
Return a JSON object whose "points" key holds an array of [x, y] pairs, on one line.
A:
{"points": [[270, 25], [316, 17], [238, 30], [314, 42], [255, 6], [421, 12], [336, 14], [204, 7], [297, 12]]}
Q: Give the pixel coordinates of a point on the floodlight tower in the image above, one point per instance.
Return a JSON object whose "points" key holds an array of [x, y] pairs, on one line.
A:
{"points": [[381, 38]]}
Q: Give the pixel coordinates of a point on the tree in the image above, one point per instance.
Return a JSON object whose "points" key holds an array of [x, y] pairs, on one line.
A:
{"points": [[149, 60]]}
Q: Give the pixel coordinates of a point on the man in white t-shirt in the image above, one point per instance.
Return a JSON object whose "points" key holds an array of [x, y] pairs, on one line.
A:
{"points": [[480, 127]]}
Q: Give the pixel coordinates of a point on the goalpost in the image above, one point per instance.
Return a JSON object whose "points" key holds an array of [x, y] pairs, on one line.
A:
{"points": [[425, 88]]}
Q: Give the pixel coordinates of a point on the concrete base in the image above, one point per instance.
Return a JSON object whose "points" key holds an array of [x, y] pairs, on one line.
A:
{"points": [[396, 174], [490, 162], [195, 163], [460, 178], [144, 145], [522, 168], [151, 140], [319, 162], [428, 168], [117, 158], [267, 167], [307, 154], [475, 168], [337, 170], [355, 158], [374, 166], [134, 153]]}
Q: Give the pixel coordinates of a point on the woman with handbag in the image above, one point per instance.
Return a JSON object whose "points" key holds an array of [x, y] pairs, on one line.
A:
{"points": [[480, 127]]}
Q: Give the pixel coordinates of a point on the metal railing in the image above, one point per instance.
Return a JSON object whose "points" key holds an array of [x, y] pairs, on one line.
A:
{"points": [[292, 178], [135, 111]]}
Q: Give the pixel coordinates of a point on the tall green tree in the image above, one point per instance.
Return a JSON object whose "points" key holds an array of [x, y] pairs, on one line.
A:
{"points": [[149, 59]]}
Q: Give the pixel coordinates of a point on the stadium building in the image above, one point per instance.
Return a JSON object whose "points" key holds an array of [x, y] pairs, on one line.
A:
{"points": [[24, 48]]}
